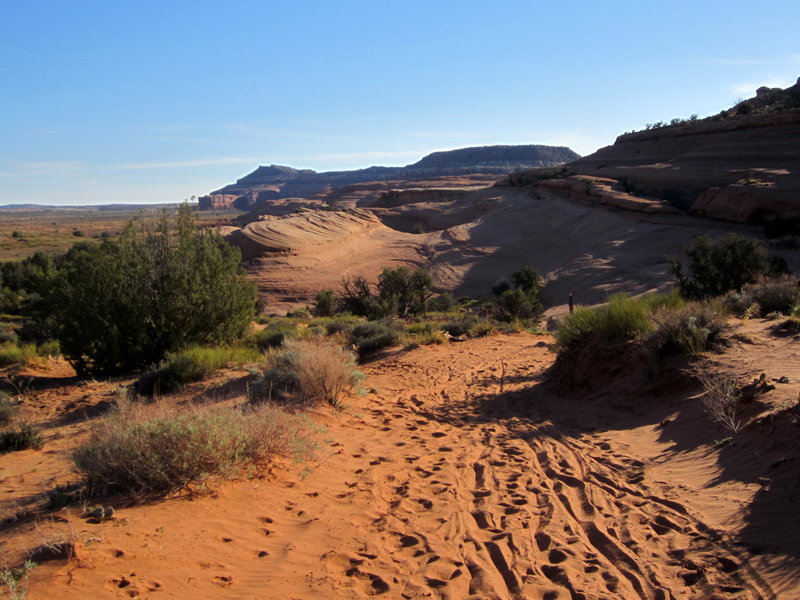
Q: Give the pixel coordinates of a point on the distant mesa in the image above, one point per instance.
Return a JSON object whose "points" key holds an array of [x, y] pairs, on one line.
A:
{"points": [[276, 181]]}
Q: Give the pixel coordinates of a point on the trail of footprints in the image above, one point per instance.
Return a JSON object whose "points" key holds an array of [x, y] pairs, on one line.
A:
{"points": [[538, 518]]}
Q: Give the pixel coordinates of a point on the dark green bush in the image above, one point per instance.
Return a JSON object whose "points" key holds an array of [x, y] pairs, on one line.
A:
{"points": [[441, 303], [716, 267], [278, 330], [20, 437], [123, 305], [373, 336], [528, 280], [463, 326], [516, 304], [326, 304], [522, 301], [370, 346], [400, 292]]}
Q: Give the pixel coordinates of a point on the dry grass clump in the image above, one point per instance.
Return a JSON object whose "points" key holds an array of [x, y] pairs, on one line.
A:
{"points": [[7, 409], [766, 296], [20, 437], [157, 449], [308, 372], [687, 330], [721, 401]]}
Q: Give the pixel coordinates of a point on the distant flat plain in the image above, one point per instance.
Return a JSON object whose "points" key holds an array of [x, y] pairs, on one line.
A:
{"points": [[25, 230]]}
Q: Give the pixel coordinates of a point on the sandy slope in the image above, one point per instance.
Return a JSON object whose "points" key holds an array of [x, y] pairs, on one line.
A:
{"points": [[476, 239], [460, 475]]}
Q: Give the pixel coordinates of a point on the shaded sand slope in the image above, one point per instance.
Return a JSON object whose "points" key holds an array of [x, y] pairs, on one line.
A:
{"points": [[477, 239], [586, 250], [460, 475]]}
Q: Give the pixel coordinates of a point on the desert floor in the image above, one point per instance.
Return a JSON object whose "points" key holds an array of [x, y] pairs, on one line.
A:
{"points": [[462, 473]]}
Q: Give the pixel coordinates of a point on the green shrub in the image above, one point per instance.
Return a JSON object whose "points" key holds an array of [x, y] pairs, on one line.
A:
{"points": [[689, 330], [326, 304], [522, 301], [424, 333], [49, 348], [370, 346], [278, 330], [716, 267], [308, 372], [426, 338], [20, 437], [193, 364], [341, 325], [517, 305], [123, 305], [671, 299], [400, 292], [422, 327], [299, 313], [622, 318], [13, 578], [158, 449], [464, 326], [373, 336], [441, 303], [528, 280]]}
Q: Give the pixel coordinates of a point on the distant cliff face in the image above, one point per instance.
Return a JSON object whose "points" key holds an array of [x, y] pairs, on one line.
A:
{"points": [[276, 181]]}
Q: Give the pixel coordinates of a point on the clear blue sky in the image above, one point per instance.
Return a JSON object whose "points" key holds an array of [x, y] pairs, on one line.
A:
{"points": [[120, 101]]}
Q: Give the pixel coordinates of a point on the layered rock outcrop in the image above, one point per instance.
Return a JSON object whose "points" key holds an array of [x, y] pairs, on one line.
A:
{"points": [[742, 165]]}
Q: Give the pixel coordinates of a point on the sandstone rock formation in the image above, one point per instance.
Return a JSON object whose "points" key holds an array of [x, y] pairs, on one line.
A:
{"points": [[741, 165]]}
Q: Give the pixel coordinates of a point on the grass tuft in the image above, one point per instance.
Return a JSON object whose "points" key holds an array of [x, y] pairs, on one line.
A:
{"points": [[23, 436], [157, 449], [308, 372], [193, 364]]}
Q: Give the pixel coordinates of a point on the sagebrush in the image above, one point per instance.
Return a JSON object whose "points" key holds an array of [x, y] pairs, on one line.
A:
{"points": [[156, 449], [308, 372]]}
